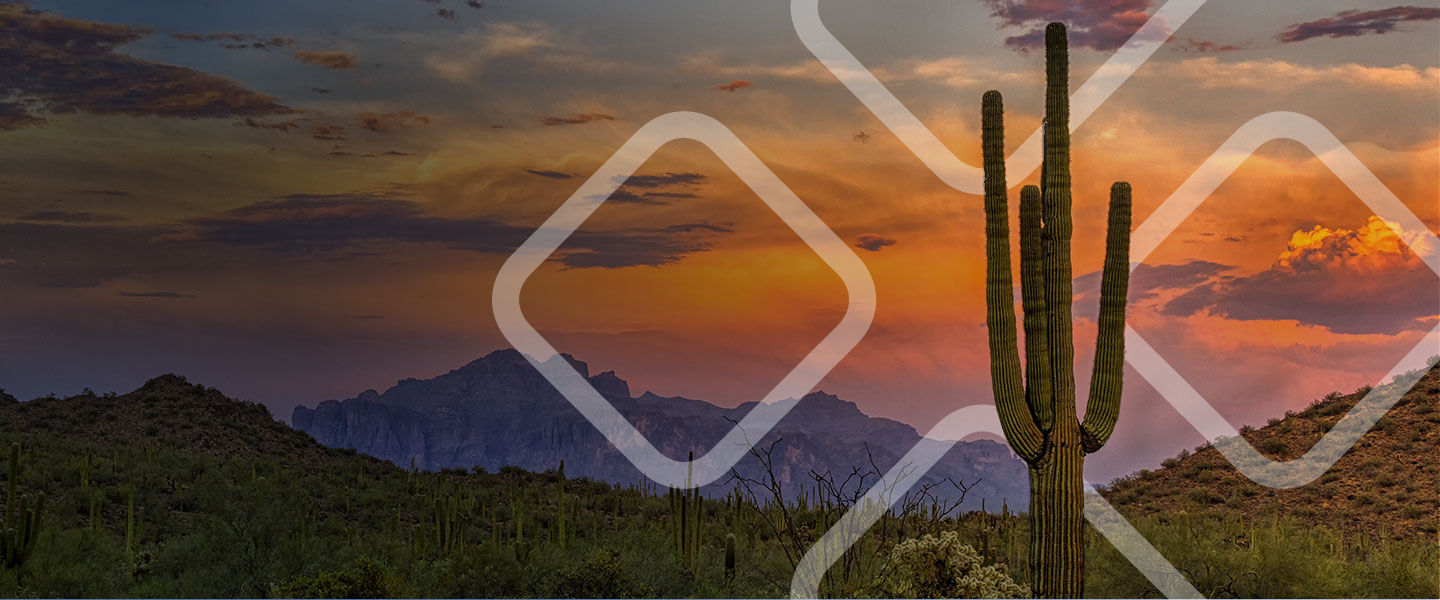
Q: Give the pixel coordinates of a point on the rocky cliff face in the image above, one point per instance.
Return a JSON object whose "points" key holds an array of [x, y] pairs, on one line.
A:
{"points": [[498, 410]]}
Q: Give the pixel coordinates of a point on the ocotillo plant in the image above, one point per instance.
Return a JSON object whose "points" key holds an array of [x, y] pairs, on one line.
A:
{"points": [[1037, 408]]}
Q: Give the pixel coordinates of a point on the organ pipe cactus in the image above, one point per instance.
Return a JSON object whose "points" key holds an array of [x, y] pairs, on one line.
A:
{"points": [[1037, 409]]}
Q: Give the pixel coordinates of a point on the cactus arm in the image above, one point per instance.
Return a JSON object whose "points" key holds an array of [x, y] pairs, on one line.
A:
{"points": [[1032, 294], [1103, 408], [1015, 418], [1058, 227]]}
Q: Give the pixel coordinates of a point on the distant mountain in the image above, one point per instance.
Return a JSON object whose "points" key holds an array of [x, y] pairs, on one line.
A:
{"points": [[498, 410]]}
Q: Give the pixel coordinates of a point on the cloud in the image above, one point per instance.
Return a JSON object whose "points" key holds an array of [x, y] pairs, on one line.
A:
{"points": [[873, 242], [276, 125], [538, 44], [734, 85], [1102, 25], [1212, 73], [15, 116], [388, 122], [1354, 23], [474, 4], [163, 295], [579, 119], [1206, 47], [334, 60], [447, 14], [66, 66], [237, 40], [1148, 282], [328, 132], [1357, 281], [311, 223], [952, 71], [550, 174], [66, 216], [659, 188]]}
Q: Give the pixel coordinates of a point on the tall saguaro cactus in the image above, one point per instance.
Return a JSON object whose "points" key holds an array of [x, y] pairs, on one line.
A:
{"points": [[1037, 408]]}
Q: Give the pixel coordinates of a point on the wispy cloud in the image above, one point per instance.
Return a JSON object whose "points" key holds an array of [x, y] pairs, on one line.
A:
{"points": [[734, 85], [1354, 23], [311, 223], [579, 119], [392, 121], [334, 60], [161, 295], [1211, 72], [68, 216]]}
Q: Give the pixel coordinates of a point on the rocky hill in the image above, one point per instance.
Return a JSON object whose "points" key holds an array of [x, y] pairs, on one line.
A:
{"points": [[498, 410], [1386, 486]]}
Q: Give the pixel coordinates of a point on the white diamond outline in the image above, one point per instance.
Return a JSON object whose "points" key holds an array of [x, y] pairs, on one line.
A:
{"points": [[963, 177], [805, 15], [1200, 413], [859, 286]]}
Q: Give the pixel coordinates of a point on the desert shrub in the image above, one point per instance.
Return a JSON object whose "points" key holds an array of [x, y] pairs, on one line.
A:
{"points": [[366, 579], [1274, 445], [599, 576], [1205, 496], [942, 567]]}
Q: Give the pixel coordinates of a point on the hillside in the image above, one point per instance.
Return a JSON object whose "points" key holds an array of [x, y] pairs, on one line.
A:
{"points": [[498, 410], [1386, 486], [174, 490]]}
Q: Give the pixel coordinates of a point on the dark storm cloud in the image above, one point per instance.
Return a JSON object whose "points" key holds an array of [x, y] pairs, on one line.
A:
{"points": [[62, 66], [1102, 25], [873, 242], [1147, 282], [1353, 23]]}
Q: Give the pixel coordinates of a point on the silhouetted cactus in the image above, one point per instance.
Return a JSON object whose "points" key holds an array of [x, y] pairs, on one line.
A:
{"points": [[1037, 409], [22, 525], [729, 557]]}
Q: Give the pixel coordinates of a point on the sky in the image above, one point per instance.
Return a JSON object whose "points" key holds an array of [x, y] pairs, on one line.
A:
{"points": [[294, 202]]}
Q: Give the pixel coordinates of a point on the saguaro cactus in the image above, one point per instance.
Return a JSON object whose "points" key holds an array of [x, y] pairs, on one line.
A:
{"points": [[22, 523], [1037, 408]]}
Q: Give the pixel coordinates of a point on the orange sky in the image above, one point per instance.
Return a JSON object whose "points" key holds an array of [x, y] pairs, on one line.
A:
{"points": [[347, 234]]}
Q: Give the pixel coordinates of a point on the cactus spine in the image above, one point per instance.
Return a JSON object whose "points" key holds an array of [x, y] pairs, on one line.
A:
{"points": [[1037, 409], [22, 525]]}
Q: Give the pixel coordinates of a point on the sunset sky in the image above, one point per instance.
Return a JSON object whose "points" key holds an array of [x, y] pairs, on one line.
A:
{"points": [[296, 201]]}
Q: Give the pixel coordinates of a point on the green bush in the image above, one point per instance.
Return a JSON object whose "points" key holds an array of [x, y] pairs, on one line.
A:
{"points": [[367, 579], [942, 567]]}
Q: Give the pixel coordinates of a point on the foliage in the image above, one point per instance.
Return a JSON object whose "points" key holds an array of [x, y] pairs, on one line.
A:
{"points": [[942, 567]]}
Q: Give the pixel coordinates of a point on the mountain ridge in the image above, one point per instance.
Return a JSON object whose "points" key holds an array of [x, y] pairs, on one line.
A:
{"points": [[497, 410]]}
